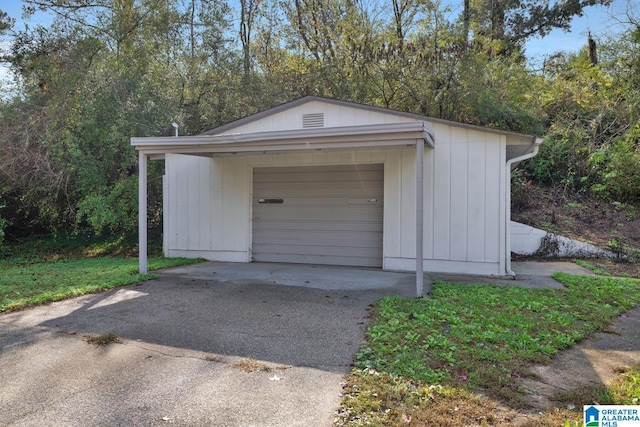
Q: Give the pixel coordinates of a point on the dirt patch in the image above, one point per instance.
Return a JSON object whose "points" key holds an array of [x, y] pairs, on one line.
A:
{"points": [[612, 226]]}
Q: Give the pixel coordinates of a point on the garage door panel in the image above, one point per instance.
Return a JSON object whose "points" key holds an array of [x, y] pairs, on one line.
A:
{"points": [[316, 226], [317, 238], [319, 214], [284, 178], [338, 213], [317, 259], [275, 202], [345, 251], [319, 189]]}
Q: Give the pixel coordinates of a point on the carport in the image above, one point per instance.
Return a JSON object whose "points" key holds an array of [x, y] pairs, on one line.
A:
{"points": [[322, 181], [414, 134]]}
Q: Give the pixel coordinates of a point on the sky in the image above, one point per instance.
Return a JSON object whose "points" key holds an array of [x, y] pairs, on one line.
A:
{"points": [[598, 20]]}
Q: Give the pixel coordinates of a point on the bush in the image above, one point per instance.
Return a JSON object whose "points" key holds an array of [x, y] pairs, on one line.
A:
{"points": [[561, 161], [620, 170], [115, 211], [4, 223]]}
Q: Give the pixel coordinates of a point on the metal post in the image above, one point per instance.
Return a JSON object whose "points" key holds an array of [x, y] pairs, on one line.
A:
{"points": [[142, 212], [419, 218]]}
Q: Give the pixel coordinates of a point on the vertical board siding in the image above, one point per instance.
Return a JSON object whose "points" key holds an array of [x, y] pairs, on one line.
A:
{"points": [[476, 194], [217, 211], [208, 201], [393, 204], [463, 209], [442, 193], [408, 203], [334, 116], [188, 202], [459, 196], [429, 194], [494, 163]]}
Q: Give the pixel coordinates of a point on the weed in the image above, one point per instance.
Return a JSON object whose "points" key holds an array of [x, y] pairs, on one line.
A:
{"points": [[104, 339], [587, 395], [251, 365], [594, 268]]}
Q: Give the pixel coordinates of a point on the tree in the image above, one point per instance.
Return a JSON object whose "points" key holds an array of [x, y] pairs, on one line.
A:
{"points": [[503, 26]]}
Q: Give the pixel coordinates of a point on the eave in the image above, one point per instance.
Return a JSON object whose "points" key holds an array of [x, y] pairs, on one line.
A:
{"points": [[388, 134]]}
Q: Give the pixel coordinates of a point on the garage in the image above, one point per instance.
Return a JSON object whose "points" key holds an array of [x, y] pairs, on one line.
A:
{"points": [[318, 214], [304, 181]]}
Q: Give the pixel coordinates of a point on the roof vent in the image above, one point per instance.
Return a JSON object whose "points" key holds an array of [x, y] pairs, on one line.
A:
{"points": [[313, 120]]}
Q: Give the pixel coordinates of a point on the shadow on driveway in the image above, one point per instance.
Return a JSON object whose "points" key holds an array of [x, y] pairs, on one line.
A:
{"points": [[182, 337]]}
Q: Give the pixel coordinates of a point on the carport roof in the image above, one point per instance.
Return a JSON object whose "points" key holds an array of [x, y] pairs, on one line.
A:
{"points": [[295, 139]]}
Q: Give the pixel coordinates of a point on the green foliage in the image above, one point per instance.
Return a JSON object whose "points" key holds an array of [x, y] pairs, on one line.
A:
{"points": [[486, 336], [620, 172], [113, 212], [101, 74], [591, 267], [3, 225]]}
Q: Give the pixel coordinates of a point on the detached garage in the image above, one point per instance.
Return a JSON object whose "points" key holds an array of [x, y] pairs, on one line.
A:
{"points": [[320, 181]]}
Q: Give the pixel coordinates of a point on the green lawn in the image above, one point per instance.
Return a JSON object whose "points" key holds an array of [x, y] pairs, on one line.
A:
{"points": [[25, 283], [426, 356]]}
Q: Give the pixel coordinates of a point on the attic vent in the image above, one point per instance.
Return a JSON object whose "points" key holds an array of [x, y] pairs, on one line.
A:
{"points": [[313, 120]]}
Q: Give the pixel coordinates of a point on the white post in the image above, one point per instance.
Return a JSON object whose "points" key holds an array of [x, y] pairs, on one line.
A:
{"points": [[142, 212], [419, 218]]}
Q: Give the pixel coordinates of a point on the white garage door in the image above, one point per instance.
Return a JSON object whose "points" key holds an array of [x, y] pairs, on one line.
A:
{"points": [[318, 214]]}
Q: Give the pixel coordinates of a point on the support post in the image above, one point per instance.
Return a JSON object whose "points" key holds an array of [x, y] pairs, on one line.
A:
{"points": [[142, 212], [419, 218]]}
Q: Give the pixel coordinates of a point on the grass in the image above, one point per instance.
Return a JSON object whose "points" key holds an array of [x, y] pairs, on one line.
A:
{"points": [[40, 270], [591, 267], [469, 339], [32, 284]]}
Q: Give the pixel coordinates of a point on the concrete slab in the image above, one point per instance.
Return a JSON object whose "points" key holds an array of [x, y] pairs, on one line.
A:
{"points": [[548, 268], [300, 275], [529, 274]]}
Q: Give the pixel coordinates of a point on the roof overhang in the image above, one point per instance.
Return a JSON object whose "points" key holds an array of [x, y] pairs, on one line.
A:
{"points": [[521, 148], [388, 134]]}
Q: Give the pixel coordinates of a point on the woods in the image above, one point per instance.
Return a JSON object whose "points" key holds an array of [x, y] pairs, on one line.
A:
{"points": [[107, 70]]}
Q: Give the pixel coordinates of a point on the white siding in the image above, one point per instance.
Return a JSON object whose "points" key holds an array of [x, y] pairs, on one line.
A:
{"points": [[205, 217], [463, 195], [334, 116], [209, 200]]}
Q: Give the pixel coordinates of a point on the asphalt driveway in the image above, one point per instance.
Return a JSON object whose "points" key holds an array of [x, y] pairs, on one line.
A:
{"points": [[213, 344]]}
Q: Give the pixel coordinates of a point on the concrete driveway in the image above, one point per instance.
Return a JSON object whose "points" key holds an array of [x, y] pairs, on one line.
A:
{"points": [[213, 344]]}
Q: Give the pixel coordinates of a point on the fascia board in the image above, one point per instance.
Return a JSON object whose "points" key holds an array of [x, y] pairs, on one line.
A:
{"points": [[262, 148], [301, 138]]}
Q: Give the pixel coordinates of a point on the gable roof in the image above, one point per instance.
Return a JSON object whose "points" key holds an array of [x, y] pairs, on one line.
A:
{"points": [[406, 127], [301, 101], [310, 98]]}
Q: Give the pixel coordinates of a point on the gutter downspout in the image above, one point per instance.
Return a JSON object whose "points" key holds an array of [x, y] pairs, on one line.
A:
{"points": [[513, 162]]}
